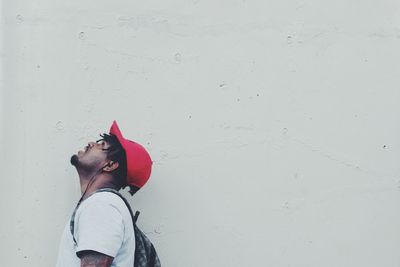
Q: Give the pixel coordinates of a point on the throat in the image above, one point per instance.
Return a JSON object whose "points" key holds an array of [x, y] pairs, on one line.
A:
{"points": [[97, 182]]}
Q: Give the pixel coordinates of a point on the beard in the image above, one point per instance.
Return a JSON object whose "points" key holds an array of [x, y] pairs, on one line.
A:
{"points": [[80, 164], [74, 160]]}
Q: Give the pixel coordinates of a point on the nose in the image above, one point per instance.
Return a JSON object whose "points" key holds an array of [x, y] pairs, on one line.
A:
{"points": [[91, 144]]}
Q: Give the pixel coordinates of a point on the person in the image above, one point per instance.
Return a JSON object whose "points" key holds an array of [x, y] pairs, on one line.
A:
{"points": [[100, 232]]}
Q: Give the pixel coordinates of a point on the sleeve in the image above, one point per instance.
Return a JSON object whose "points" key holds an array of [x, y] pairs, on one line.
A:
{"points": [[99, 227]]}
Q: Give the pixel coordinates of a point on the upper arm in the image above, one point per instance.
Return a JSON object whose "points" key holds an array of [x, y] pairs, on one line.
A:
{"points": [[90, 258]]}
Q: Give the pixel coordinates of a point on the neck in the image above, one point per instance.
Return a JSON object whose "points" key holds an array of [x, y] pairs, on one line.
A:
{"points": [[93, 181]]}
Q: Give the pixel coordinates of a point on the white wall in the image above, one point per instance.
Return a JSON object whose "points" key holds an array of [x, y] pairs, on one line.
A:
{"points": [[274, 125]]}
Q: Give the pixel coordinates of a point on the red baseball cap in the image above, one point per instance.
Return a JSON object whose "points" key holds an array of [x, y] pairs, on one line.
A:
{"points": [[138, 161]]}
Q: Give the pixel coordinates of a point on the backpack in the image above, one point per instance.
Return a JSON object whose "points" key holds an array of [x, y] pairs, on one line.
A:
{"points": [[145, 253]]}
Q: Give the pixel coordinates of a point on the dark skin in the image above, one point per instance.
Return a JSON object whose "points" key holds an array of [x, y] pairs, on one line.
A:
{"points": [[93, 162], [90, 258]]}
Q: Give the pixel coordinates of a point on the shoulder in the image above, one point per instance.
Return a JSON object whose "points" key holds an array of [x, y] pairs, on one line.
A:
{"points": [[102, 224]]}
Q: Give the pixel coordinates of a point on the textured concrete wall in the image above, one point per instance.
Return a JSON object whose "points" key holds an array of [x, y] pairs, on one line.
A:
{"points": [[274, 125]]}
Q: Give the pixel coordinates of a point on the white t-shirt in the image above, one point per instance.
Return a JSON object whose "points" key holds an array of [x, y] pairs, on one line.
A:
{"points": [[103, 224]]}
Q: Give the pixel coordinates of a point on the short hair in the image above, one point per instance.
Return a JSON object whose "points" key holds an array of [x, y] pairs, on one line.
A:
{"points": [[116, 153]]}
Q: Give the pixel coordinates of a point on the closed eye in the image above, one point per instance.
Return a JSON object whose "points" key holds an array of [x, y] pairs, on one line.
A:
{"points": [[103, 144], [100, 142]]}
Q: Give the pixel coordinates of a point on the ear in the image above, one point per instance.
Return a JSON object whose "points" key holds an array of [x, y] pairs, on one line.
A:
{"points": [[111, 166]]}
